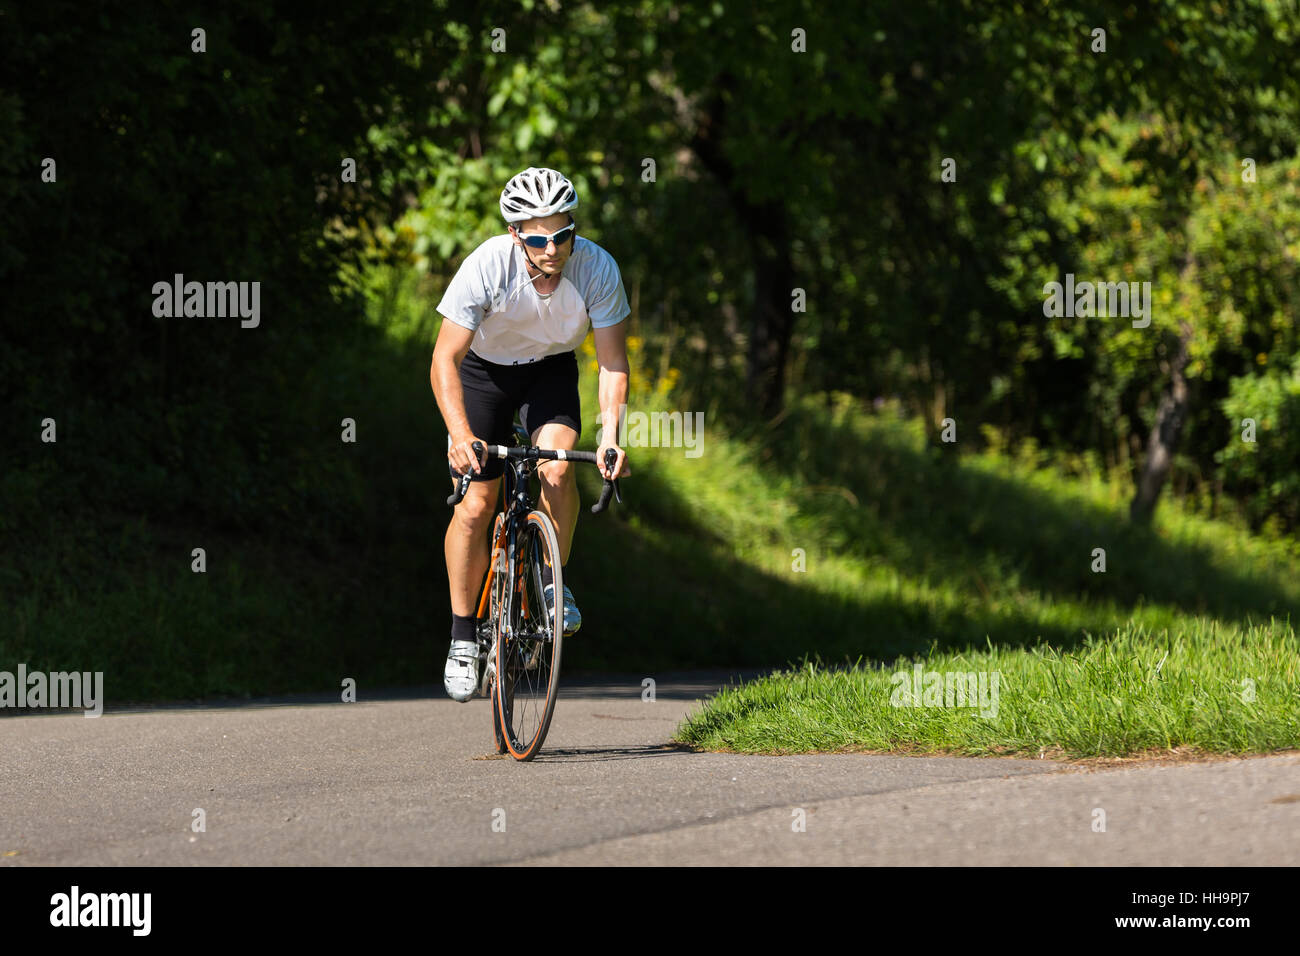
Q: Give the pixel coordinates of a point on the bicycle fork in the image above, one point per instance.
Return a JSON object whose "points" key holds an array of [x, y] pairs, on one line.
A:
{"points": [[487, 634]]}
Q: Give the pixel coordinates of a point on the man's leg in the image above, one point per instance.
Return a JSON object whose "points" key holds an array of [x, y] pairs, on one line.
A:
{"points": [[467, 548], [559, 500], [559, 484], [467, 551], [488, 408], [552, 414]]}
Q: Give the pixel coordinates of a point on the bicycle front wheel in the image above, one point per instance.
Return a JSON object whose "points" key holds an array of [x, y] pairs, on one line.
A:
{"points": [[528, 654], [497, 605]]}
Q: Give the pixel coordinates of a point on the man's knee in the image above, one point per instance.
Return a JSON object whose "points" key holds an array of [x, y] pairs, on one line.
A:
{"points": [[476, 509], [557, 476]]}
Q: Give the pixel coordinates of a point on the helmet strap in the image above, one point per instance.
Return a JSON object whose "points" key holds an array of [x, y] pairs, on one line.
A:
{"points": [[540, 271]]}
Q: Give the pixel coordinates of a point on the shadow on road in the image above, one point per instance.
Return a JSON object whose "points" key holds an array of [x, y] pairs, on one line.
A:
{"points": [[599, 754]]}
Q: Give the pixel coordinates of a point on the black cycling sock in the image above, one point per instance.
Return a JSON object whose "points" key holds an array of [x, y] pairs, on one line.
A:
{"points": [[464, 628], [548, 578]]}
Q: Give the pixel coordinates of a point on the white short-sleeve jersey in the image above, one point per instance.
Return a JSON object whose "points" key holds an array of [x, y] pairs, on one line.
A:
{"points": [[492, 296]]}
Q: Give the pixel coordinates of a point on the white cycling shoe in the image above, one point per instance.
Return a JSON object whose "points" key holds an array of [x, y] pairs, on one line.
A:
{"points": [[460, 676], [572, 616]]}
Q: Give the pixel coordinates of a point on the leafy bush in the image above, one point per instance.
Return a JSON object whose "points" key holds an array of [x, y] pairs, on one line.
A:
{"points": [[1265, 473]]}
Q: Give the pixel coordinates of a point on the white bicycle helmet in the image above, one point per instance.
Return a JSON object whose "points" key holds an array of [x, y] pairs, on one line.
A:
{"points": [[536, 193]]}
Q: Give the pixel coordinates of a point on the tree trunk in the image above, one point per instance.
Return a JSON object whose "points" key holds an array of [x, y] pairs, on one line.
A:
{"points": [[771, 319], [1165, 435], [772, 322]]}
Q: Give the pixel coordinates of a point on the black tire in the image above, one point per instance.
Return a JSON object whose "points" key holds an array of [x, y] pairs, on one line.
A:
{"points": [[496, 604], [528, 659]]}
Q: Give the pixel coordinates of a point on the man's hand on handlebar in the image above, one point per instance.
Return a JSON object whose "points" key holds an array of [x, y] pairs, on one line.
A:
{"points": [[462, 457], [621, 469]]}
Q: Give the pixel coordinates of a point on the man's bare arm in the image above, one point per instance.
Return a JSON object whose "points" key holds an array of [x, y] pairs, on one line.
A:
{"points": [[444, 375], [611, 355]]}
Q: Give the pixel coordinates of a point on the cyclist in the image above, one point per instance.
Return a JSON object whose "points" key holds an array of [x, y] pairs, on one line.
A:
{"points": [[513, 314]]}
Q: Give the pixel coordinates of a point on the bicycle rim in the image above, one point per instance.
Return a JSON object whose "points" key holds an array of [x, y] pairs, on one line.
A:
{"points": [[528, 657]]}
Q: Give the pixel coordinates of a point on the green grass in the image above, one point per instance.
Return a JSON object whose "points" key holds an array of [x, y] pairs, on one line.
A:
{"points": [[1210, 688], [983, 562]]}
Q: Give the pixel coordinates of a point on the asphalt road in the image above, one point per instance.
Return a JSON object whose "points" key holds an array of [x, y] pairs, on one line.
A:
{"points": [[414, 779]]}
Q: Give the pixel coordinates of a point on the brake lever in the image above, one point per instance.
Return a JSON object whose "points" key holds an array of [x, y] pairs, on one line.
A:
{"points": [[611, 456], [462, 482], [611, 484]]}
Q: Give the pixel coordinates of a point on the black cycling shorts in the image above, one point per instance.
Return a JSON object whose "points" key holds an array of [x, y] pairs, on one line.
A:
{"points": [[542, 392]]}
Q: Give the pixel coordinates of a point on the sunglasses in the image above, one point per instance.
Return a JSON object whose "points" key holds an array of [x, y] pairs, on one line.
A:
{"points": [[538, 241]]}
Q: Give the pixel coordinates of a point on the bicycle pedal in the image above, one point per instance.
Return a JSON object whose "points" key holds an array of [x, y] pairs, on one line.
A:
{"points": [[488, 654]]}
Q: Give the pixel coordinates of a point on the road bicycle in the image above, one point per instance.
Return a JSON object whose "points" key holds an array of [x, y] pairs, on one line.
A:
{"points": [[520, 634]]}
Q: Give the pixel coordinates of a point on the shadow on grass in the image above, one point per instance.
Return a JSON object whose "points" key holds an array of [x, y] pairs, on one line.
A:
{"points": [[996, 553], [682, 602], [934, 516]]}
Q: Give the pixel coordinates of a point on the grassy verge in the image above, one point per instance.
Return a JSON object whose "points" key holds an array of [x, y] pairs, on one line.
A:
{"points": [[1209, 688]]}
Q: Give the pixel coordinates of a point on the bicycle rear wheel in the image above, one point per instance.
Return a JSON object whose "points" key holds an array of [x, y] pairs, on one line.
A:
{"points": [[528, 653]]}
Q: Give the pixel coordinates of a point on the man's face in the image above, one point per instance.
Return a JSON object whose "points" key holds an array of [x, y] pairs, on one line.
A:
{"points": [[550, 260]]}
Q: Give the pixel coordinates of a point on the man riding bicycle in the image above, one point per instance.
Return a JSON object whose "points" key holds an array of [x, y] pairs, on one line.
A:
{"points": [[517, 308]]}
